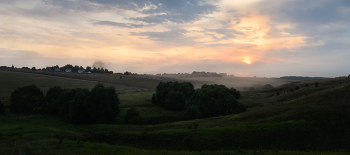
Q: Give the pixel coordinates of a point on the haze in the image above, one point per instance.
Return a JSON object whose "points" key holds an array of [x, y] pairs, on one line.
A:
{"points": [[244, 38]]}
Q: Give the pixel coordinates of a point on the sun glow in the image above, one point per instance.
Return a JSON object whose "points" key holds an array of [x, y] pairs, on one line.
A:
{"points": [[247, 60]]}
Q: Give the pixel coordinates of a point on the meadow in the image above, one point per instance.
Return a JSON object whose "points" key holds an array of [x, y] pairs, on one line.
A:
{"points": [[294, 118]]}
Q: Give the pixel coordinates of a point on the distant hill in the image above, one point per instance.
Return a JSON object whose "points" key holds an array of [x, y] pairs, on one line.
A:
{"points": [[302, 78]]}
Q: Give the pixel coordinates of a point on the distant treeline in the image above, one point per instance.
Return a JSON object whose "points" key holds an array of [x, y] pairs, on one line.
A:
{"points": [[67, 68], [195, 74], [301, 78]]}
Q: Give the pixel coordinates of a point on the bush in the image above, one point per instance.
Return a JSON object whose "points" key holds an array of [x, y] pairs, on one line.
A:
{"points": [[267, 86], [214, 100], [27, 100], [2, 108], [131, 114], [172, 95], [316, 84]]}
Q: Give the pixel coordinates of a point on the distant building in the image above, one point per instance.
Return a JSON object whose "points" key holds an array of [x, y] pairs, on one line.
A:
{"points": [[57, 70], [81, 71], [68, 70]]}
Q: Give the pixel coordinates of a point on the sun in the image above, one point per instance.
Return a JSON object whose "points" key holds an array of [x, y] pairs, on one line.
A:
{"points": [[247, 60]]}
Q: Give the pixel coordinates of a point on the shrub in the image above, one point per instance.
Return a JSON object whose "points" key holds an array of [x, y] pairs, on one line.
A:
{"points": [[173, 95], [316, 84], [27, 100], [214, 100], [131, 114], [2, 108], [297, 87], [267, 86]]}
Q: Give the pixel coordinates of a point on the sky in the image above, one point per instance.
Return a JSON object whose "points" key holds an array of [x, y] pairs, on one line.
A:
{"points": [[264, 38]]}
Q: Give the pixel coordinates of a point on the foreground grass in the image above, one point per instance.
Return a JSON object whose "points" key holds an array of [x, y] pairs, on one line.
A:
{"points": [[76, 147]]}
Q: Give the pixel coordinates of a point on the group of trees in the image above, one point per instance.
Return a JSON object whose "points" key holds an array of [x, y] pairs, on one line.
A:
{"points": [[172, 95], [80, 106], [208, 101]]}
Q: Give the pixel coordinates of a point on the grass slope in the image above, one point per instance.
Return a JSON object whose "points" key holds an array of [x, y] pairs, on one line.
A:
{"points": [[303, 117]]}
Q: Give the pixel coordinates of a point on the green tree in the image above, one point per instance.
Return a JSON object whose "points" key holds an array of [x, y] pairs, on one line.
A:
{"points": [[214, 100], [80, 107], [172, 95], [64, 101], [51, 100], [27, 100], [104, 104]]}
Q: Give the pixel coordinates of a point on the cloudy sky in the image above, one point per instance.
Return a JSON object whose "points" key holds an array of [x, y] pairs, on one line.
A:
{"points": [[269, 38]]}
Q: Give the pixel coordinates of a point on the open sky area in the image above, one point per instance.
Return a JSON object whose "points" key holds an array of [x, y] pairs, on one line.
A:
{"points": [[268, 38]]}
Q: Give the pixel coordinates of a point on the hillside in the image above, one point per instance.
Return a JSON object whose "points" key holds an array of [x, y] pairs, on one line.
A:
{"points": [[311, 116]]}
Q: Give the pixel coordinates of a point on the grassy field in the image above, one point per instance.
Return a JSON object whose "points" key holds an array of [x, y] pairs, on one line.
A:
{"points": [[302, 119]]}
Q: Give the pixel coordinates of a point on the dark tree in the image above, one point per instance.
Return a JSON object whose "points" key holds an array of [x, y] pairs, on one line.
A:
{"points": [[2, 108], [214, 100], [64, 101], [173, 95], [51, 100], [27, 100], [80, 107], [103, 104]]}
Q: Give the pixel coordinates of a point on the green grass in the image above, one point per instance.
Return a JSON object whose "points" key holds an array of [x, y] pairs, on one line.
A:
{"points": [[311, 120]]}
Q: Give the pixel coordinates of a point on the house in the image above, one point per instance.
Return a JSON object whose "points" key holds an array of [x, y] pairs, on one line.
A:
{"points": [[81, 71], [68, 69]]}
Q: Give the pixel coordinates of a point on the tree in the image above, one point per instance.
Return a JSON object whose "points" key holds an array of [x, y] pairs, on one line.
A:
{"points": [[27, 100], [214, 100], [103, 104], [173, 95], [51, 100], [2, 108], [33, 68]]}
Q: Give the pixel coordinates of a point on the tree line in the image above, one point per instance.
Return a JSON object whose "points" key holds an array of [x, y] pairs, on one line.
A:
{"points": [[80, 106], [207, 101]]}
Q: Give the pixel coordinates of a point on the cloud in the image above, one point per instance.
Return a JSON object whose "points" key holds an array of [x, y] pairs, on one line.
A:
{"points": [[116, 24], [153, 11], [174, 37], [226, 32]]}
